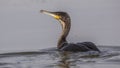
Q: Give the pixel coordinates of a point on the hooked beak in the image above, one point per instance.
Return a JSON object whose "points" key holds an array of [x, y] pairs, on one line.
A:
{"points": [[50, 13]]}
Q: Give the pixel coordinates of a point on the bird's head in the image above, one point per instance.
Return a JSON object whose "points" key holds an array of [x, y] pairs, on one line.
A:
{"points": [[61, 16], [64, 20]]}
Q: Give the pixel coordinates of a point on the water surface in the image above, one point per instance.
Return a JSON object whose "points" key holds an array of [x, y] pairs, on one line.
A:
{"points": [[52, 58]]}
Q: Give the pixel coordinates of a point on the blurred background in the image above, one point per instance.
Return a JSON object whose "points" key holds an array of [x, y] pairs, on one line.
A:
{"points": [[23, 27]]}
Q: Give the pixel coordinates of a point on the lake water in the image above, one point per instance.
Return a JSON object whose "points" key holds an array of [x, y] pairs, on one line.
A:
{"points": [[52, 58], [26, 35]]}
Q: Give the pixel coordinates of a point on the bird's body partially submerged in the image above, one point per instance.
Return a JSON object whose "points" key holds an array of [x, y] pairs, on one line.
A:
{"points": [[62, 44]]}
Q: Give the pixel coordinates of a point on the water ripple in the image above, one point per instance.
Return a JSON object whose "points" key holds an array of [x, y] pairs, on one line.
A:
{"points": [[52, 58]]}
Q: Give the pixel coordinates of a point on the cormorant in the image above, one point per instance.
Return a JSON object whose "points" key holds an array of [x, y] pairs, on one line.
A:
{"points": [[62, 44]]}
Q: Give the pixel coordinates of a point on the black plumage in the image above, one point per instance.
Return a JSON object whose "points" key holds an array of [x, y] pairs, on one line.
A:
{"points": [[65, 22]]}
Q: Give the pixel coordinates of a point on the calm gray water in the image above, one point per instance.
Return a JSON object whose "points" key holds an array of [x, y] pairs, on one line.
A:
{"points": [[52, 58], [24, 31], [23, 27]]}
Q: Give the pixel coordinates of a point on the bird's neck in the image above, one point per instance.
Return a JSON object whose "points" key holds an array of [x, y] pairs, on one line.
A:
{"points": [[65, 31]]}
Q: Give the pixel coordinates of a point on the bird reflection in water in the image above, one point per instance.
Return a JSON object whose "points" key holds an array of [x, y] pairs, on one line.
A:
{"points": [[64, 63]]}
